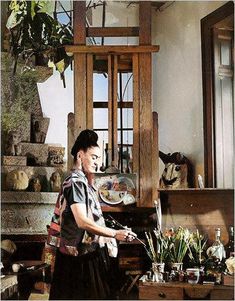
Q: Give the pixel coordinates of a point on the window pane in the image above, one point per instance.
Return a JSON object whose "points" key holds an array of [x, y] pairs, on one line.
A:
{"points": [[100, 118], [127, 87], [225, 52], [125, 153], [127, 137], [100, 87], [127, 118]]}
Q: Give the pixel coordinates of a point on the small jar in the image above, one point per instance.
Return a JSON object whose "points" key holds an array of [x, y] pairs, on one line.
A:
{"points": [[193, 275], [181, 276], [202, 275]]}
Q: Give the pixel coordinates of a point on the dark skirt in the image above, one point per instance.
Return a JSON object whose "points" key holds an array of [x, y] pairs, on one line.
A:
{"points": [[81, 277]]}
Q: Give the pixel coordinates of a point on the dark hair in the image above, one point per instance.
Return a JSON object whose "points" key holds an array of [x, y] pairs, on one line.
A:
{"points": [[85, 140]]}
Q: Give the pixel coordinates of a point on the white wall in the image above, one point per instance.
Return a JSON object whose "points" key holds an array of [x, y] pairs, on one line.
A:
{"points": [[177, 78], [57, 102]]}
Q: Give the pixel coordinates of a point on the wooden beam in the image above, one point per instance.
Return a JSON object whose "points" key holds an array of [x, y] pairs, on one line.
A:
{"points": [[136, 125], [79, 21], [145, 20], [146, 128], [104, 104], [110, 123], [80, 103], [111, 49], [155, 158], [70, 140], [115, 109], [112, 31], [89, 84]]}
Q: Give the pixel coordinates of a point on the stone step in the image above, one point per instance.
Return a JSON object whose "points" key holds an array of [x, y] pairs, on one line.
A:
{"points": [[27, 197], [36, 153], [14, 160], [41, 154], [25, 218]]}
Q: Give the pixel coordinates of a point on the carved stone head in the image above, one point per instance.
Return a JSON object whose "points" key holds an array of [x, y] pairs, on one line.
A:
{"points": [[13, 147]]}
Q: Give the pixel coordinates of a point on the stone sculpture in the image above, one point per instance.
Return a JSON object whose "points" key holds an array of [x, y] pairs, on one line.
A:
{"points": [[55, 181], [17, 180], [55, 156], [13, 147], [36, 185], [39, 129]]}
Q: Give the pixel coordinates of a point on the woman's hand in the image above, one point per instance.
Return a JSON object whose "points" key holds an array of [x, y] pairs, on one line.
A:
{"points": [[125, 235]]}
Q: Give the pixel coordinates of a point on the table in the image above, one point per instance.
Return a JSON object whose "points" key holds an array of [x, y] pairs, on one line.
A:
{"points": [[9, 286], [184, 291], [34, 270], [132, 280]]}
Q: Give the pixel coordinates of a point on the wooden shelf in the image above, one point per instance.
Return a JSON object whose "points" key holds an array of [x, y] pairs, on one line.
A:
{"points": [[196, 191]]}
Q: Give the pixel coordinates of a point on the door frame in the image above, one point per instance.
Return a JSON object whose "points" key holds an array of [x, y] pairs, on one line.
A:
{"points": [[207, 24]]}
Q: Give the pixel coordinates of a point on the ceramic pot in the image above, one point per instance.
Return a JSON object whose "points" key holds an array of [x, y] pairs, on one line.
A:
{"points": [[193, 275], [158, 267], [158, 270], [178, 266]]}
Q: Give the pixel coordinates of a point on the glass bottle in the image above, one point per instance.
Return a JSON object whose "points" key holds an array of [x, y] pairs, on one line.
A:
{"points": [[217, 248], [229, 247]]}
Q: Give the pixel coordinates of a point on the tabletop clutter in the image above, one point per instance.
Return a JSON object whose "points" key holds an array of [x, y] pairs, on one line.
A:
{"points": [[183, 255]]}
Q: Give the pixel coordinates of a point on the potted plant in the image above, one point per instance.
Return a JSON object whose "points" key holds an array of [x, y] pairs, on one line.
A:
{"points": [[157, 249], [178, 246], [197, 250], [35, 33]]}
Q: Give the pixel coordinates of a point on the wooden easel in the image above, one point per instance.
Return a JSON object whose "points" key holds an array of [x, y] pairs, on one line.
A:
{"points": [[135, 59]]}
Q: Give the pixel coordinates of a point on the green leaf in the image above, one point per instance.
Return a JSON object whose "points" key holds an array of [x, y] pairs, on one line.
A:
{"points": [[33, 6], [60, 66]]}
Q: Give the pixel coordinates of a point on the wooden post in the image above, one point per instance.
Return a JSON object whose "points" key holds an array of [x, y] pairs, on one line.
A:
{"points": [[145, 20], [155, 158], [145, 100], [145, 120], [89, 111], [136, 124], [79, 16], [70, 140], [110, 122], [114, 110]]}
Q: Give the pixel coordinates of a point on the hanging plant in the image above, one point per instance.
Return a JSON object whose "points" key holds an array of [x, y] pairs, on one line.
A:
{"points": [[34, 32]]}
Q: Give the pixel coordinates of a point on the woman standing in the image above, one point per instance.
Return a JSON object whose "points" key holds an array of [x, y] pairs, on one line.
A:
{"points": [[82, 261]]}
